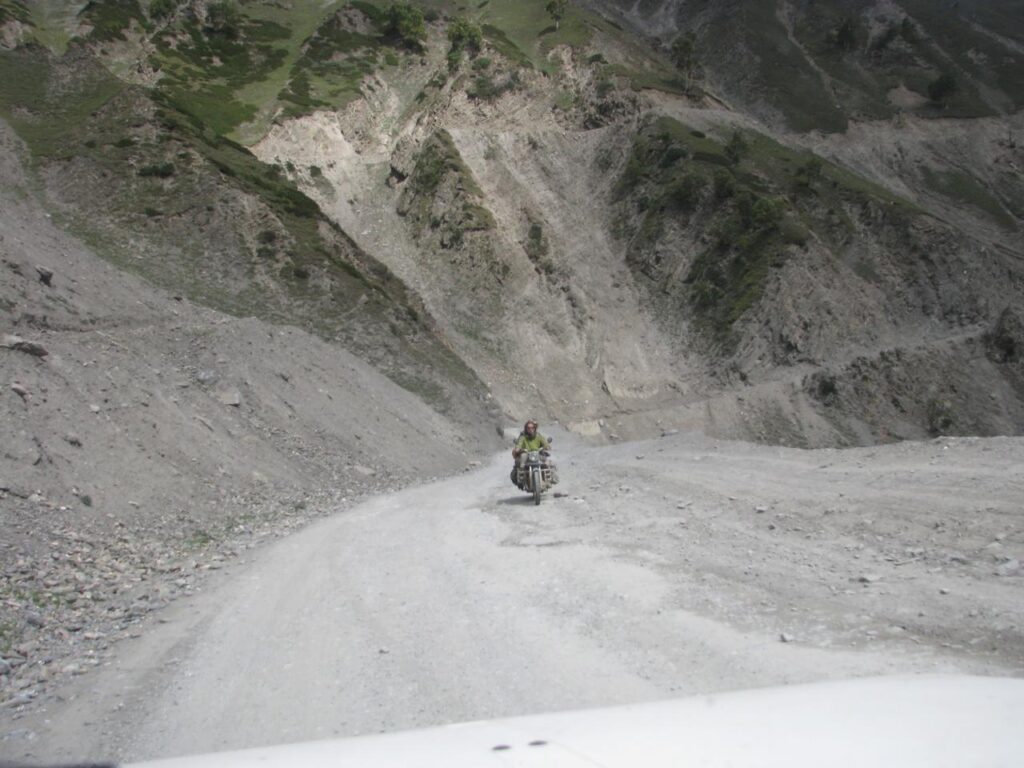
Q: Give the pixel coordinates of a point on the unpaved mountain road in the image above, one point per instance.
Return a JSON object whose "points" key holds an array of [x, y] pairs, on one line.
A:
{"points": [[670, 567]]}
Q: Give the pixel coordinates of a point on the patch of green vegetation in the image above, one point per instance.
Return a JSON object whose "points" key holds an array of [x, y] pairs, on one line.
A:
{"points": [[14, 10], [443, 205], [334, 61], [836, 40], [667, 174], [8, 635], [829, 183], [49, 24], [499, 41], [940, 416], [302, 19], [199, 538], [405, 25], [686, 191], [438, 157], [216, 104], [753, 198], [565, 101], [161, 9], [575, 31], [110, 19], [159, 170], [958, 186], [916, 52], [465, 38], [536, 247], [729, 277], [523, 32], [236, 65], [970, 37], [207, 63], [376, 15], [657, 150], [782, 74], [485, 88], [48, 111]]}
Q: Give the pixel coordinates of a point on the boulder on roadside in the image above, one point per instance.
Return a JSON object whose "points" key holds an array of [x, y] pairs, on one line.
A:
{"points": [[10, 341], [1009, 567], [207, 376], [230, 397]]}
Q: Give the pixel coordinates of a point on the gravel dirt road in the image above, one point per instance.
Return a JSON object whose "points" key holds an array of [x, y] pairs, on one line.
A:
{"points": [[660, 569]]}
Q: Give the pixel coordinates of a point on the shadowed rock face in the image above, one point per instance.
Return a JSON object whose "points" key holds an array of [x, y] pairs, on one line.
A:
{"points": [[1005, 341], [819, 65]]}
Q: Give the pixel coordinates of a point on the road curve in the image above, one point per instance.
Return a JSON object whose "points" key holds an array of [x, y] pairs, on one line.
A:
{"points": [[459, 600]]}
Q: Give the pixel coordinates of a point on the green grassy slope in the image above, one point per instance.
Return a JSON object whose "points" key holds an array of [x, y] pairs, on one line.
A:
{"points": [[241, 68]]}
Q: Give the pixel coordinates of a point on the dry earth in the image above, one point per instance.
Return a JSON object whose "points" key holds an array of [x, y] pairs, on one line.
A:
{"points": [[155, 439], [661, 568]]}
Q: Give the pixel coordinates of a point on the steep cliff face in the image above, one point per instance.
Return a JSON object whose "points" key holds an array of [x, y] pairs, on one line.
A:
{"points": [[677, 263], [494, 208]]}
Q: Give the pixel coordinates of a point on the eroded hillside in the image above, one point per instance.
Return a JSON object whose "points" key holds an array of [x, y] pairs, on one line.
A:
{"points": [[666, 262], [146, 439], [627, 232]]}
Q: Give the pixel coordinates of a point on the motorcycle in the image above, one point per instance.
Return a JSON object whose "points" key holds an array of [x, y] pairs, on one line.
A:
{"points": [[535, 474]]}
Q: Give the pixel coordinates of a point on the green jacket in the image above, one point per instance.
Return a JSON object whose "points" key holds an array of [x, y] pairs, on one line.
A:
{"points": [[536, 443]]}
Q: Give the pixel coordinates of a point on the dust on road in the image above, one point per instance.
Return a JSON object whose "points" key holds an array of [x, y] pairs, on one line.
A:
{"points": [[660, 569]]}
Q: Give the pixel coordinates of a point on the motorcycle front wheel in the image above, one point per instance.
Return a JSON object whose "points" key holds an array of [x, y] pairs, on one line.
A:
{"points": [[536, 481]]}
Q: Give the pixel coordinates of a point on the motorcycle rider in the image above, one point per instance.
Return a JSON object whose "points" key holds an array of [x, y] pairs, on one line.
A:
{"points": [[531, 440]]}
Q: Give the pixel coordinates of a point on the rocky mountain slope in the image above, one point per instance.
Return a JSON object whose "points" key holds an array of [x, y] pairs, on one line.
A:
{"points": [[682, 263], [826, 65], [300, 252], [146, 439], [618, 235]]}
